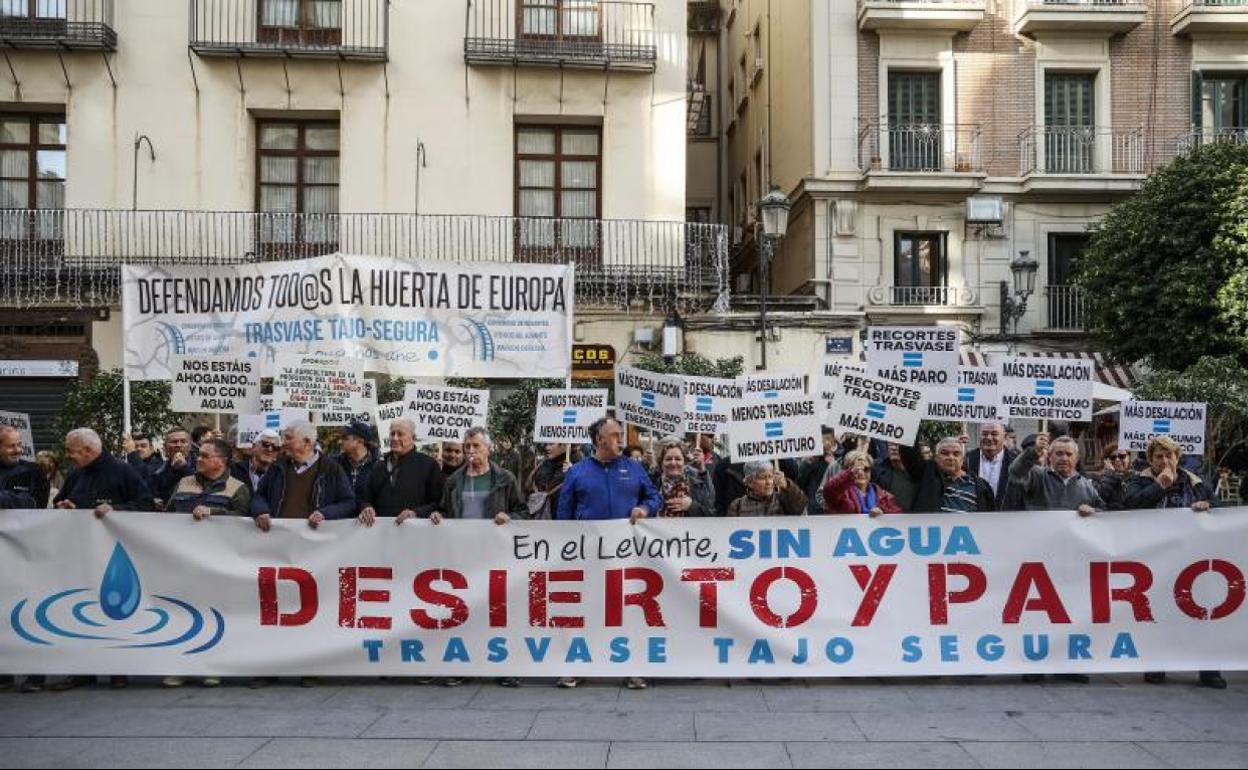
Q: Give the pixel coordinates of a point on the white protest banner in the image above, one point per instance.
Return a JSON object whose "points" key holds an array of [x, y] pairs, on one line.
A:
{"points": [[1047, 389], [318, 383], [772, 386], [385, 414], [920, 356], [365, 413], [707, 402], [1142, 421], [653, 402], [1034, 592], [445, 414], [220, 385], [774, 429], [877, 408], [21, 422], [422, 318], [830, 382], [975, 398], [564, 416]]}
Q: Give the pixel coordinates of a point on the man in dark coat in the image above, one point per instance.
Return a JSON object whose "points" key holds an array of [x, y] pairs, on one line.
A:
{"points": [[991, 461]]}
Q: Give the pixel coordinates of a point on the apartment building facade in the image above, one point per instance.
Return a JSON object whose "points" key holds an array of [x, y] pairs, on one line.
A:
{"points": [[200, 131], [926, 144]]}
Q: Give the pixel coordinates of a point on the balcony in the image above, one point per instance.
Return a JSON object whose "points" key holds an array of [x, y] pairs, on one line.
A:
{"points": [[703, 16], [1108, 17], [1065, 308], [344, 30], [1199, 137], [57, 25], [573, 34], [955, 15], [72, 257], [1084, 158], [931, 298], [1216, 16], [921, 156]]}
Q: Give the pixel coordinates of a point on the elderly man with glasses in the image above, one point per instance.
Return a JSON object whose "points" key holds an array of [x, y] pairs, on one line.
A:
{"points": [[264, 451]]}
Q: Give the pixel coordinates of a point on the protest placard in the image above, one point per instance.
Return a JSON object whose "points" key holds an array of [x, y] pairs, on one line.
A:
{"points": [[1047, 389], [383, 416], [975, 398], [252, 425], [707, 403], [921, 356], [215, 385], [445, 414], [318, 383], [367, 411], [21, 422], [773, 429], [564, 416], [1142, 421], [772, 385], [654, 402], [878, 408], [830, 380]]}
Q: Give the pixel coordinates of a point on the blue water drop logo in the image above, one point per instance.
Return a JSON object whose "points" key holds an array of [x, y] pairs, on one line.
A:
{"points": [[120, 590]]}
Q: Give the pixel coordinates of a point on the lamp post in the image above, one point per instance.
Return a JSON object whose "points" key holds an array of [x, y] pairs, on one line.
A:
{"points": [[1013, 306], [773, 212]]}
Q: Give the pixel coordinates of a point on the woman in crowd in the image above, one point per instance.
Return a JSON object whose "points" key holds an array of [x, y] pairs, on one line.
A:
{"points": [[684, 486], [768, 493], [1116, 473], [852, 491]]}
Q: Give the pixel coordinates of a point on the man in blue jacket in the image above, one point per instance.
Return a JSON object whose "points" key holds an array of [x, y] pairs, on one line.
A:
{"points": [[607, 485], [303, 484]]}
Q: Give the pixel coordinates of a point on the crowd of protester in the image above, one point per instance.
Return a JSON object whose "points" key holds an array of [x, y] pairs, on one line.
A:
{"points": [[289, 475]]}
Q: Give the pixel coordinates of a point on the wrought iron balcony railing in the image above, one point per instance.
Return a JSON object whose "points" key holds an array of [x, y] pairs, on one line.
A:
{"points": [[57, 24], [1083, 150], [1065, 307], [1198, 137], [561, 33], [72, 257], [922, 296], [356, 30], [920, 147]]}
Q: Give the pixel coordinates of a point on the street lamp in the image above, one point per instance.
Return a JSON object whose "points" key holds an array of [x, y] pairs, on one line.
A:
{"points": [[773, 212], [1023, 270]]}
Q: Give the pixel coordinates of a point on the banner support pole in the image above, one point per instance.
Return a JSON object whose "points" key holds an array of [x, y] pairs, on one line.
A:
{"points": [[567, 379]]}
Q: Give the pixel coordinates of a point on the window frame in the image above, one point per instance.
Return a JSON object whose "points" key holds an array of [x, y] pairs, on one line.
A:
{"points": [[941, 240], [299, 153], [558, 158], [302, 33], [559, 34], [33, 223]]}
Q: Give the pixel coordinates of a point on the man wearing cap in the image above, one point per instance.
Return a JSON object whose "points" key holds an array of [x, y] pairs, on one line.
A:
{"points": [[264, 451], [359, 454]]}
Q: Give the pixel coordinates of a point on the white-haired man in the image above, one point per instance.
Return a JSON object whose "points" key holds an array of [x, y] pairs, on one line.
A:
{"points": [[302, 484], [99, 481], [404, 483], [944, 486]]}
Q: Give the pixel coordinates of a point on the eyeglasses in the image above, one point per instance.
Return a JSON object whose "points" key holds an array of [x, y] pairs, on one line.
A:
{"points": [[266, 445]]}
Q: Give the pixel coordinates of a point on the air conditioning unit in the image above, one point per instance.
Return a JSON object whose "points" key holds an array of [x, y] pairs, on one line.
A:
{"points": [[985, 210]]}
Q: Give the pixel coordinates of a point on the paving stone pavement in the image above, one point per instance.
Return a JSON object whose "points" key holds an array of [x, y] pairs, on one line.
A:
{"points": [[1116, 721]]}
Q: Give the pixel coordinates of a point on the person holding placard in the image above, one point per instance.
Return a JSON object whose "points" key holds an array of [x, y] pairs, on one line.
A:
{"points": [[264, 451], [303, 484], [403, 484], [768, 492], [1059, 485], [852, 491], [1164, 485], [944, 486]]}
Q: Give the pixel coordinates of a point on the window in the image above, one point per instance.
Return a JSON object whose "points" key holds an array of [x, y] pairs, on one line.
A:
{"points": [[297, 175], [32, 175], [1065, 307], [919, 269], [559, 19], [698, 215], [1070, 120], [34, 10], [914, 142], [558, 173], [1223, 104], [301, 22]]}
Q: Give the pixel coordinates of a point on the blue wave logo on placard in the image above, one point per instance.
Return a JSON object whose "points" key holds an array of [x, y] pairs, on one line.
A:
{"points": [[482, 340], [113, 615]]}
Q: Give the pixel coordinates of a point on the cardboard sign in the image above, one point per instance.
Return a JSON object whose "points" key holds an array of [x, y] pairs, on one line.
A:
{"points": [[772, 386], [708, 401], [921, 356], [215, 385], [252, 425], [383, 416], [318, 383], [445, 414], [975, 398], [830, 381], [774, 429], [366, 412], [878, 408], [564, 416], [21, 421], [1142, 421], [654, 402], [1047, 389]]}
